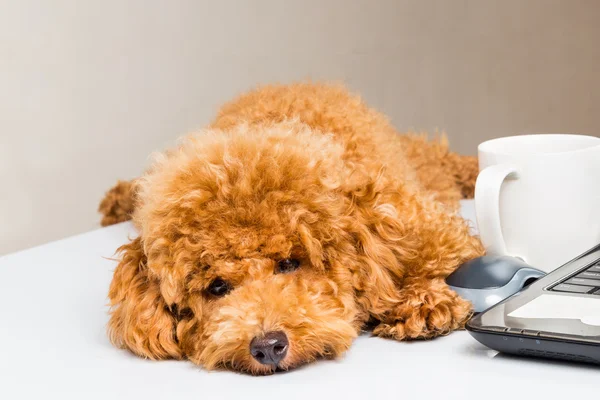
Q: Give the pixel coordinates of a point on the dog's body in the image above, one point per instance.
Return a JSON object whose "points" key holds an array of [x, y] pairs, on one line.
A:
{"points": [[271, 238]]}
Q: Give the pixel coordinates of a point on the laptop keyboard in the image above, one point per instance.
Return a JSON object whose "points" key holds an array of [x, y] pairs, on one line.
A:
{"points": [[585, 282]]}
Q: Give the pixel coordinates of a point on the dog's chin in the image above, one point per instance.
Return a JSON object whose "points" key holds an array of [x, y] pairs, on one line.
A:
{"points": [[262, 370], [283, 367], [255, 368]]}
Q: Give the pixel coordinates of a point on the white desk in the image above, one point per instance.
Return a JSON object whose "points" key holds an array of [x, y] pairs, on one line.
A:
{"points": [[53, 345]]}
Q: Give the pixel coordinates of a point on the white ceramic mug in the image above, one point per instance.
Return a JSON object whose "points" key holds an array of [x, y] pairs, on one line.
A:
{"points": [[537, 197]]}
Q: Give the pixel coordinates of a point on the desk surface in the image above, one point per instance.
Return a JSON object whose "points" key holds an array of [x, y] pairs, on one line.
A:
{"points": [[53, 345]]}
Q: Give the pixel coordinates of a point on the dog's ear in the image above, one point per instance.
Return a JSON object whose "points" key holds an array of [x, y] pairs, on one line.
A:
{"points": [[382, 242], [139, 317]]}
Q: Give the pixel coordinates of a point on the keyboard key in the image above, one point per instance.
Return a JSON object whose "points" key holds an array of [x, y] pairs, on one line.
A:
{"points": [[583, 281], [595, 268], [597, 292], [564, 287], [589, 275]]}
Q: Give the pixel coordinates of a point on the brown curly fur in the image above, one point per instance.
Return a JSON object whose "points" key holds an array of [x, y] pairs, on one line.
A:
{"points": [[302, 171], [118, 203], [449, 175]]}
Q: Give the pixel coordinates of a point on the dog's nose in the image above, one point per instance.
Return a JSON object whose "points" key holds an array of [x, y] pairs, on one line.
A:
{"points": [[269, 349]]}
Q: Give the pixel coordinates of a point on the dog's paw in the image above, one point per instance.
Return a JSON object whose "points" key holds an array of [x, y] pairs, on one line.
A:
{"points": [[425, 317]]}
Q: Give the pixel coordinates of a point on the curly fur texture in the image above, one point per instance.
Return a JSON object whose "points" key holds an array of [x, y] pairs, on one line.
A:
{"points": [[117, 204], [305, 172]]}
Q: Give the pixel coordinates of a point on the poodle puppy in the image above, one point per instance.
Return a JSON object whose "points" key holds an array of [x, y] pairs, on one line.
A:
{"points": [[271, 238]]}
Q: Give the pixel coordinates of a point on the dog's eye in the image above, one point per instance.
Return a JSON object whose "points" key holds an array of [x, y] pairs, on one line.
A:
{"points": [[287, 265], [219, 287]]}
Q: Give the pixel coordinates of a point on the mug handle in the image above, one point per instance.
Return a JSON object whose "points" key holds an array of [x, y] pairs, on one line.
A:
{"points": [[487, 206]]}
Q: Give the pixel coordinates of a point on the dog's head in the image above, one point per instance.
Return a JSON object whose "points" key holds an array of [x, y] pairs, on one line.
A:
{"points": [[251, 255]]}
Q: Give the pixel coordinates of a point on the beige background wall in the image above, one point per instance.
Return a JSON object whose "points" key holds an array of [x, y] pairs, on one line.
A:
{"points": [[89, 88]]}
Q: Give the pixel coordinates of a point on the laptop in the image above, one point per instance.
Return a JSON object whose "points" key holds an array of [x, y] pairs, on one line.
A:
{"points": [[557, 316]]}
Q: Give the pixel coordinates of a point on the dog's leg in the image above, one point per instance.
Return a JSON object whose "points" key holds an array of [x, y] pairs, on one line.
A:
{"points": [[118, 203], [428, 244], [426, 308]]}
